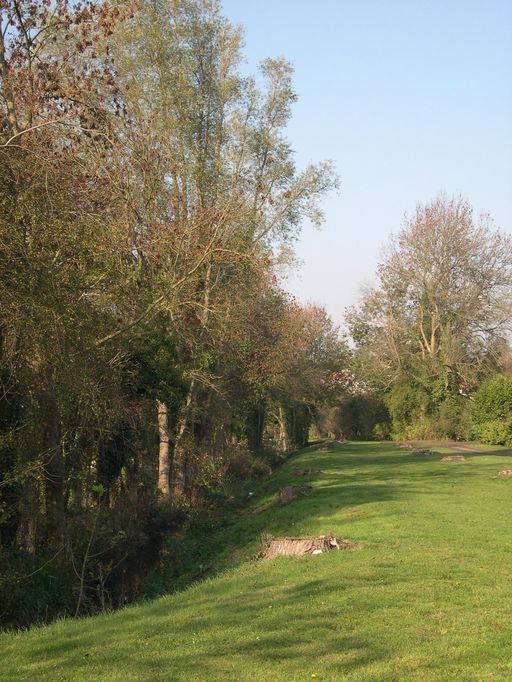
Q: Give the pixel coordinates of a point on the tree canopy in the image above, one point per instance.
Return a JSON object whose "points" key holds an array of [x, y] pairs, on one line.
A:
{"points": [[439, 320]]}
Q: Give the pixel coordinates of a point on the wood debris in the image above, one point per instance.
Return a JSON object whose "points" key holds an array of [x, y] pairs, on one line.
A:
{"points": [[504, 473]]}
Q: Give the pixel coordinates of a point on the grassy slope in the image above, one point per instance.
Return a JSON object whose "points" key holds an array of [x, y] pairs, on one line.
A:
{"points": [[428, 597]]}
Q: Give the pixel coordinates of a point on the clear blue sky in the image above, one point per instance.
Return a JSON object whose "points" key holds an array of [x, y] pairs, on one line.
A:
{"points": [[408, 97]]}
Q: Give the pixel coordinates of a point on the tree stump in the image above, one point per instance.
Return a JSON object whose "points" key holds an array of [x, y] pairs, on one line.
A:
{"points": [[289, 492], [274, 547]]}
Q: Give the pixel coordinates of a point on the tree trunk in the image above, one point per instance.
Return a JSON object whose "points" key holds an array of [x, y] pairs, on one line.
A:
{"points": [[54, 467], [283, 432], [26, 535], [179, 460], [164, 461], [255, 426]]}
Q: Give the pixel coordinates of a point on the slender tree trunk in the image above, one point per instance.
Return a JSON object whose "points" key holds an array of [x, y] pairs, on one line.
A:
{"points": [[260, 427], [26, 535], [54, 467], [179, 459], [164, 461], [283, 433]]}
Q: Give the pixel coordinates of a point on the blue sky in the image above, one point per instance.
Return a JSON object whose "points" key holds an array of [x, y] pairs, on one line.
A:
{"points": [[408, 97]]}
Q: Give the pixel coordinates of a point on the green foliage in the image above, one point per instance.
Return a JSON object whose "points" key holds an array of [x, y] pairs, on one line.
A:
{"points": [[492, 411], [207, 360], [407, 404], [421, 428], [381, 431], [493, 400], [365, 417], [34, 589], [454, 418], [418, 335], [158, 373], [355, 417], [495, 431], [427, 410]]}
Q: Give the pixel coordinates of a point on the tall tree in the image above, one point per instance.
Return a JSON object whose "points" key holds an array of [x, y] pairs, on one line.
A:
{"points": [[227, 170], [442, 306]]}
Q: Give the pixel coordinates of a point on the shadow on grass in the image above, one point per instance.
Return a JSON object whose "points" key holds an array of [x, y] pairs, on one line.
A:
{"points": [[270, 627]]}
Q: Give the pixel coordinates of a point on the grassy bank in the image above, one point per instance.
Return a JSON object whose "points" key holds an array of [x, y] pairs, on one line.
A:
{"points": [[427, 597]]}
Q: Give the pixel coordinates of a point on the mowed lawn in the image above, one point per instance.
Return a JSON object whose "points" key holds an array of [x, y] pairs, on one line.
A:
{"points": [[428, 596]]}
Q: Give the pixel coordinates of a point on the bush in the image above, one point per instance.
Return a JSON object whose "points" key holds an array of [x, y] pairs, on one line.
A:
{"points": [[34, 589], [493, 400], [243, 465], [495, 432], [454, 420], [492, 411], [381, 431], [408, 405], [421, 428]]}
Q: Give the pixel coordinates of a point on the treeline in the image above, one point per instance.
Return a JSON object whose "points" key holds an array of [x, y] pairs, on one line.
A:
{"points": [[431, 342], [148, 198]]}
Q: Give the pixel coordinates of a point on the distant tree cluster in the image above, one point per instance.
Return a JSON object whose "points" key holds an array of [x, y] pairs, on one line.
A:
{"points": [[432, 340], [147, 352]]}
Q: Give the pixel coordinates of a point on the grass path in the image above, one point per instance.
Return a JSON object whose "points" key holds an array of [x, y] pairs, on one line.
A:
{"points": [[428, 597]]}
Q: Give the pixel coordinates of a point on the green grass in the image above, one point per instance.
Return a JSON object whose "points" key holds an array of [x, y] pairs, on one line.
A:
{"points": [[427, 597]]}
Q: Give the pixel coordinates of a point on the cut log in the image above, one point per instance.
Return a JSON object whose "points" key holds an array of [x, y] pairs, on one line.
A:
{"points": [[274, 547]]}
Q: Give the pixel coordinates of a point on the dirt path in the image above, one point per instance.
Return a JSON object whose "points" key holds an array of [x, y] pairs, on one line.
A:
{"points": [[465, 448], [469, 449]]}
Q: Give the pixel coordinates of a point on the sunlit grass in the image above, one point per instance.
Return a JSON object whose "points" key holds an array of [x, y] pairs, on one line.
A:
{"points": [[427, 597]]}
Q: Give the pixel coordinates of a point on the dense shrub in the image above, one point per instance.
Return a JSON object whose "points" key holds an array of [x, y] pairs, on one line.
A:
{"points": [[381, 431], [492, 411], [242, 465], [408, 406], [495, 432], [493, 400], [454, 418], [34, 589], [423, 427]]}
